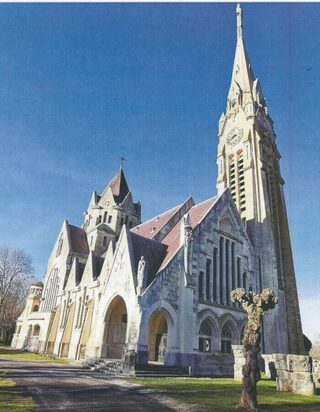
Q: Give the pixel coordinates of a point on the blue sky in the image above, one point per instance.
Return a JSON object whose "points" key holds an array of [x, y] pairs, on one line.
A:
{"points": [[80, 84]]}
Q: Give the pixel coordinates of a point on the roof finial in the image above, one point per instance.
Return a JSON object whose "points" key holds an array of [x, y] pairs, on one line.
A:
{"points": [[122, 159], [239, 20]]}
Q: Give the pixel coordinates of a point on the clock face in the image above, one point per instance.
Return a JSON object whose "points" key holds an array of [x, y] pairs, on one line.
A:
{"points": [[234, 136]]}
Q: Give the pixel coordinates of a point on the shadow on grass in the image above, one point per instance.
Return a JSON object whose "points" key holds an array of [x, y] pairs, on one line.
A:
{"points": [[222, 395]]}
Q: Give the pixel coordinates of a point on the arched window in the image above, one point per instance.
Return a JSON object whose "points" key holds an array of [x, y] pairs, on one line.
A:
{"points": [[205, 336], [226, 339], [35, 308], [36, 330]]}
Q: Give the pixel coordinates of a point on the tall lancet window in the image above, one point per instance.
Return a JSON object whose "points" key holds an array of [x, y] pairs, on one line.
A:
{"points": [[226, 339], [241, 188], [232, 177]]}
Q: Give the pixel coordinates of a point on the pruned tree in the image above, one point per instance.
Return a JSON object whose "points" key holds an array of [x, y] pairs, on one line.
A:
{"points": [[255, 305], [16, 275]]}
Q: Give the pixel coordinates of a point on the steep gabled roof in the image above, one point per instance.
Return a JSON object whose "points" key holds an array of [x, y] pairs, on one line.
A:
{"points": [[151, 227], [78, 239], [196, 214], [158, 227], [118, 186], [97, 263], [79, 271], [152, 250]]}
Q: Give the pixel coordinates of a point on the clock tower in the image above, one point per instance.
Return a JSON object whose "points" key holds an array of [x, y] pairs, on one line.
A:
{"points": [[248, 164]]}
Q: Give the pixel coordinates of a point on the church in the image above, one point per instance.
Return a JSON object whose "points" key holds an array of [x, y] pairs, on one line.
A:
{"points": [[159, 290]]}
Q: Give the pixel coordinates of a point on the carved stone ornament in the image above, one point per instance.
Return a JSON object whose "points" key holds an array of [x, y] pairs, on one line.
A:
{"points": [[227, 225], [234, 136]]}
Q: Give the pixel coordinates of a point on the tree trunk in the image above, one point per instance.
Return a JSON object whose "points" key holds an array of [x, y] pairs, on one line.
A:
{"points": [[251, 375]]}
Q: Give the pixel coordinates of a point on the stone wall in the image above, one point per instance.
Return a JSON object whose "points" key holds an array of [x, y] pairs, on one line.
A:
{"points": [[316, 372], [294, 374]]}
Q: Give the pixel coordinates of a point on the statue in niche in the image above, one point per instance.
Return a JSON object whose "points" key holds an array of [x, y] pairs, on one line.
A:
{"points": [[141, 273], [255, 305]]}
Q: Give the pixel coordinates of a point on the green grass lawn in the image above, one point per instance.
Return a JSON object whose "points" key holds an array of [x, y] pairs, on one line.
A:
{"points": [[7, 353], [11, 399], [221, 395]]}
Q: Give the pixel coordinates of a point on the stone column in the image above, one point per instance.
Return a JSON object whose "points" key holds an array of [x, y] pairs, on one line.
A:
{"points": [[211, 280], [222, 271], [234, 268], [204, 286], [218, 276], [230, 271], [240, 273]]}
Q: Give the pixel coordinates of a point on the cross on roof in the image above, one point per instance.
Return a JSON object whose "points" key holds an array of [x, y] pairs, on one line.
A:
{"points": [[122, 159]]}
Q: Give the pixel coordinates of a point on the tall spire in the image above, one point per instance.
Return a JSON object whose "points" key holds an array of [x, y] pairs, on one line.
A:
{"points": [[242, 81], [239, 21]]}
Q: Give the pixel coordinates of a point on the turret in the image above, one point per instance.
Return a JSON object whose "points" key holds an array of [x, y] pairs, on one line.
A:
{"points": [[108, 212], [34, 297]]}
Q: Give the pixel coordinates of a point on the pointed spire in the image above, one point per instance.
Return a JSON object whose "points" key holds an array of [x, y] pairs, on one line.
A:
{"points": [[242, 74], [239, 21], [244, 86], [118, 186]]}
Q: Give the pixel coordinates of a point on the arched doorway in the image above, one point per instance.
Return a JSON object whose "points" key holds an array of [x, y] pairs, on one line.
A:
{"points": [[36, 331], [158, 337], [116, 328]]}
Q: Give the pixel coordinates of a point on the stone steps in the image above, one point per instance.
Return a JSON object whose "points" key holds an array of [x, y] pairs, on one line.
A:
{"points": [[107, 366], [114, 367]]}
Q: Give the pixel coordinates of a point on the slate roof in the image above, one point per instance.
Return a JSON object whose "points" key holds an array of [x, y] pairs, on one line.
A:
{"points": [[78, 238], [197, 213], [151, 227], [79, 271], [119, 187], [97, 266], [152, 250]]}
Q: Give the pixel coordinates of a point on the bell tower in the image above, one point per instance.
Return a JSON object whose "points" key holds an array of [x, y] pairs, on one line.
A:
{"points": [[248, 164]]}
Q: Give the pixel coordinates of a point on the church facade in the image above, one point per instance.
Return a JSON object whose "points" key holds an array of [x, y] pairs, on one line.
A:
{"points": [[160, 289]]}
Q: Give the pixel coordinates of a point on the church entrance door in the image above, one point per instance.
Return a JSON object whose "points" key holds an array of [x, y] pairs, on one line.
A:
{"points": [[116, 328], [158, 337]]}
